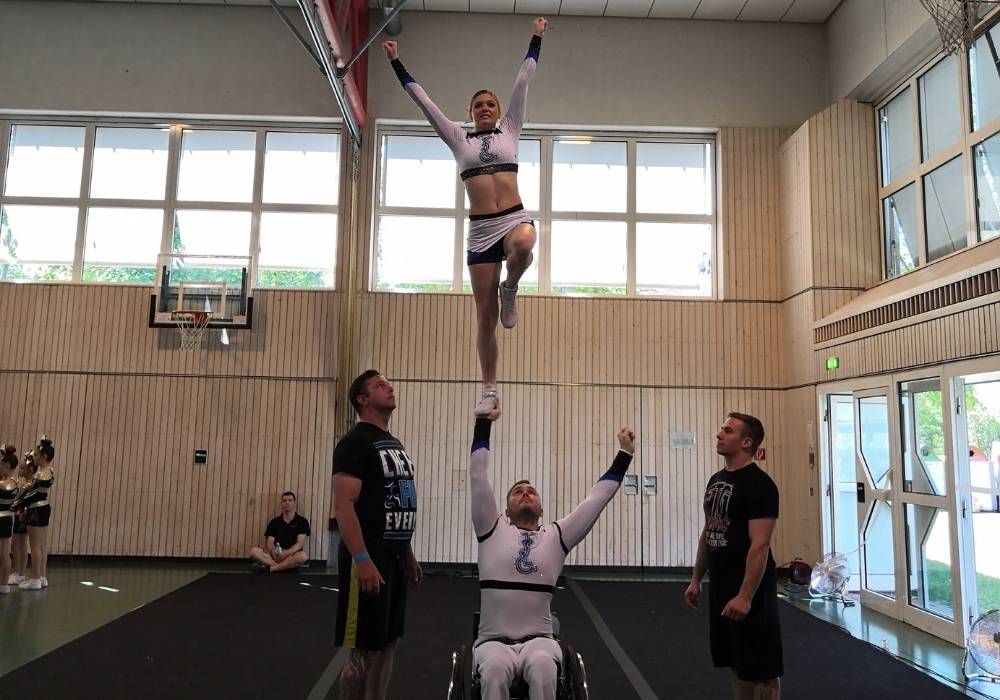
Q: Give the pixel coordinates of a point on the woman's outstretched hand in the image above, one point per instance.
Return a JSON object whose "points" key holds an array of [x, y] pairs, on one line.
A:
{"points": [[392, 52]]}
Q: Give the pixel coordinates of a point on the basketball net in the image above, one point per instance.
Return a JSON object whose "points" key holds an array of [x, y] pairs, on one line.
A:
{"points": [[956, 21], [192, 325]]}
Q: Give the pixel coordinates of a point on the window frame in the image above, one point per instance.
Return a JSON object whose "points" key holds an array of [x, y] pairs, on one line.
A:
{"points": [[963, 147], [545, 215], [170, 204]]}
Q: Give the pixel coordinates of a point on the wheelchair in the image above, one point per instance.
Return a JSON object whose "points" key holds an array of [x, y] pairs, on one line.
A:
{"points": [[572, 683]]}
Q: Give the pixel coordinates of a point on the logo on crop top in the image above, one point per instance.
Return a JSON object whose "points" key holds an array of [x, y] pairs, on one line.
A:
{"points": [[524, 565], [484, 153]]}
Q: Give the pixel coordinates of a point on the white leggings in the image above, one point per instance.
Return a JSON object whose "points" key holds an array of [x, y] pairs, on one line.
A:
{"points": [[536, 661]]}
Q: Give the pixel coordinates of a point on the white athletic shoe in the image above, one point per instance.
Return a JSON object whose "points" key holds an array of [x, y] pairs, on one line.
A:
{"points": [[508, 306], [31, 584], [4, 589], [488, 404], [16, 579], [45, 582]]}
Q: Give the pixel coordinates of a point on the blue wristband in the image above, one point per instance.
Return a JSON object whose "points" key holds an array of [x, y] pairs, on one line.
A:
{"points": [[358, 558]]}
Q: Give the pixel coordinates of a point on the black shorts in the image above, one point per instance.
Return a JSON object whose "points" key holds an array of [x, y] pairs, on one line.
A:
{"points": [[20, 526], [365, 621], [39, 517], [752, 647], [494, 254], [6, 527]]}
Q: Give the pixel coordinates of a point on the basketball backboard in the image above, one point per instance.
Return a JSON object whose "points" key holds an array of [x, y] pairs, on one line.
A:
{"points": [[218, 284]]}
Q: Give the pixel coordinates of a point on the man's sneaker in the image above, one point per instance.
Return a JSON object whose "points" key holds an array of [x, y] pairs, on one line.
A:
{"points": [[508, 306], [488, 404], [31, 584], [260, 567], [45, 582], [4, 589], [16, 579]]}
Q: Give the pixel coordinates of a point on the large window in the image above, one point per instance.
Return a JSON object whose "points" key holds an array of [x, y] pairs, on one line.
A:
{"points": [[98, 202], [940, 159], [616, 214]]}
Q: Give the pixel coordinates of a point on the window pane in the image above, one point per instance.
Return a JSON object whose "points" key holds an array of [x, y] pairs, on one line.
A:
{"points": [[944, 204], [900, 213], [130, 163], [301, 168], [211, 232], [674, 259], [528, 173], [880, 567], [896, 120], [674, 178], [928, 559], [873, 413], [985, 87], [216, 166], [297, 250], [588, 257], [415, 253], [988, 187], [37, 243], [589, 176], [45, 161], [940, 116], [417, 171], [922, 432], [122, 245]]}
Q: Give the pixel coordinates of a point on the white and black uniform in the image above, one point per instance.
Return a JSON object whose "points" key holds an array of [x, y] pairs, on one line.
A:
{"points": [[518, 571], [483, 152]]}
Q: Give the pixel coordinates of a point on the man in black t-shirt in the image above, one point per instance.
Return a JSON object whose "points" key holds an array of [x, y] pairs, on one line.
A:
{"points": [[741, 509], [284, 540], [375, 503]]}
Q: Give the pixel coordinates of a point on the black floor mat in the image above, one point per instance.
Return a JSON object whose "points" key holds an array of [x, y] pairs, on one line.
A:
{"points": [[669, 645], [224, 635]]}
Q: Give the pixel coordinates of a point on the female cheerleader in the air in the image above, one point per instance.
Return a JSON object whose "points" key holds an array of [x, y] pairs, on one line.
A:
{"points": [[498, 227]]}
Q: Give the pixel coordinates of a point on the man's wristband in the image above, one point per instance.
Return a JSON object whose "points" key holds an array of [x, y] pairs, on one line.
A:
{"points": [[358, 558]]}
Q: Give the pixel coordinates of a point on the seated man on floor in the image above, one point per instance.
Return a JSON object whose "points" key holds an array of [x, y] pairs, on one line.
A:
{"points": [[519, 563], [285, 540]]}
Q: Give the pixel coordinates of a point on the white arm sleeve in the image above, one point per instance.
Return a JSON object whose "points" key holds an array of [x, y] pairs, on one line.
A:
{"points": [[519, 94], [450, 132]]}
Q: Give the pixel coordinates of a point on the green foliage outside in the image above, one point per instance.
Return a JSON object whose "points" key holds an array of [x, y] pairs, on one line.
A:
{"points": [[939, 587], [984, 427]]}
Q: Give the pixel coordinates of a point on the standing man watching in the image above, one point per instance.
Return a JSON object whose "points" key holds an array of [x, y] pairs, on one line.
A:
{"points": [[741, 509], [284, 540], [375, 503]]}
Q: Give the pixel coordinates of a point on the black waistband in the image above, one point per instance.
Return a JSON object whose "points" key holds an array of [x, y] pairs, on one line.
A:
{"points": [[517, 586], [489, 170], [508, 641], [497, 215]]}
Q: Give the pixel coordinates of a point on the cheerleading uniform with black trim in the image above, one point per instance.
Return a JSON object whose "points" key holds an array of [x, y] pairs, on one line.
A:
{"points": [[8, 494], [518, 569], [483, 152], [36, 498]]}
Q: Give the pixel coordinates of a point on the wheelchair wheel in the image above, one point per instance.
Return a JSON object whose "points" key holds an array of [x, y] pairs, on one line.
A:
{"points": [[575, 677], [456, 685]]}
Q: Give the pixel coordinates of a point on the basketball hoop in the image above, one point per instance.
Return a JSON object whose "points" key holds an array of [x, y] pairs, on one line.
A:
{"points": [[192, 325], [956, 21]]}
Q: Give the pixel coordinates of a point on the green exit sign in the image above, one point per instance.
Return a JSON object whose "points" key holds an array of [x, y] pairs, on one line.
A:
{"points": [[832, 363]]}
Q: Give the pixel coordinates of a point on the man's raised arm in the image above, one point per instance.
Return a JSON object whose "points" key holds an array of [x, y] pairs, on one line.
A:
{"points": [[484, 501]]}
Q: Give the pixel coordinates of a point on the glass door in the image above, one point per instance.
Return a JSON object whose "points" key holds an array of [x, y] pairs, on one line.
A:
{"points": [[977, 450], [874, 495], [842, 483], [925, 536]]}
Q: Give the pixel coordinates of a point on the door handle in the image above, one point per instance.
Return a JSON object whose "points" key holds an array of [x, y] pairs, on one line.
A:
{"points": [[861, 492]]}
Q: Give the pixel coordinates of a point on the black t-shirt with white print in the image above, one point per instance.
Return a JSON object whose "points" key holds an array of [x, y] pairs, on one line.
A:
{"points": [[387, 504], [732, 500]]}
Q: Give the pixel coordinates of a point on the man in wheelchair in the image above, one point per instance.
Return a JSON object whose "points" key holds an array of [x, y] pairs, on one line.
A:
{"points": [[519, 563]]}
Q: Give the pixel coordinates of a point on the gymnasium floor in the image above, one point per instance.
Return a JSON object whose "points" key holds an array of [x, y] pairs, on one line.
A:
{"points": [[85, 596]]}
